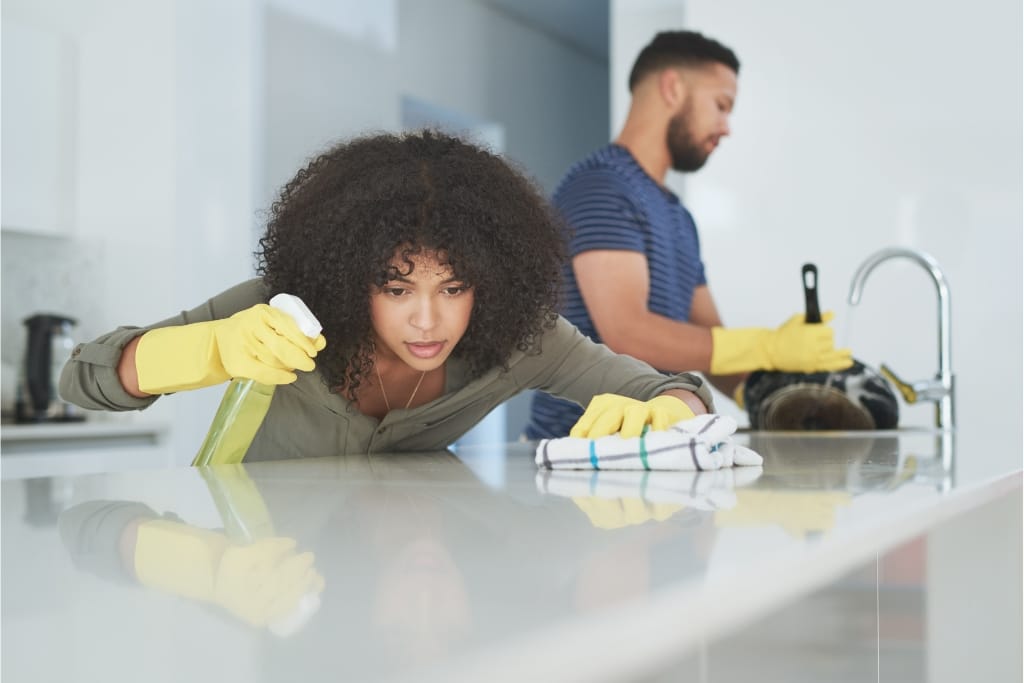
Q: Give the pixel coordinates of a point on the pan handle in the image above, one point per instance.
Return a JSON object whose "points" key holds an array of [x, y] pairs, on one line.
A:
{"points": [[810, 277]]}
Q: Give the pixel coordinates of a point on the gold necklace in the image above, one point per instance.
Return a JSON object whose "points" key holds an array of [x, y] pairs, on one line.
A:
{"points": [[387, 403]]}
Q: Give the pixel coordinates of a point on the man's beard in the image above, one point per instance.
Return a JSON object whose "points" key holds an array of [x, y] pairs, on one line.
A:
{"points": [[687, 155]]}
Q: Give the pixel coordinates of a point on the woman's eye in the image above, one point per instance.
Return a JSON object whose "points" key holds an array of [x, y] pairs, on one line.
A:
{"points": [[394, 291], [455, 290]]}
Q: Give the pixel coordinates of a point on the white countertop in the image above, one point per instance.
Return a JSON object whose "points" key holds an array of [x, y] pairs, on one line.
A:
{"points": [[472, 568]]}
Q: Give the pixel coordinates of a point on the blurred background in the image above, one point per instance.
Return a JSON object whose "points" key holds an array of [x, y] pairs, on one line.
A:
{"points": [[143, 141]]}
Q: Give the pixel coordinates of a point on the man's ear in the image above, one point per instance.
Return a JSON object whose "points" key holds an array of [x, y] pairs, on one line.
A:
{"points": [[672, 87]]}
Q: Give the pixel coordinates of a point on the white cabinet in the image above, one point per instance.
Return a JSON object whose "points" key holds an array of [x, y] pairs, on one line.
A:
{"points": [[39, 120], [49, 450]]}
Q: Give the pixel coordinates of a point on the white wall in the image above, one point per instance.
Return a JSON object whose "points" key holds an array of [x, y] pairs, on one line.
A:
{"points": [[327, 79], [550, 97], [164, 170], [859, 126], [324, 80]]}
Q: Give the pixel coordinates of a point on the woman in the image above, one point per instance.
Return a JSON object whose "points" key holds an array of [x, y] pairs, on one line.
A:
{"points": [[433, 267]]}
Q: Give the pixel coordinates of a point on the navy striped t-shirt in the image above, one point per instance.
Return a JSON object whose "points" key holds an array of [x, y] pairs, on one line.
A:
{"points": [[610, 202]]}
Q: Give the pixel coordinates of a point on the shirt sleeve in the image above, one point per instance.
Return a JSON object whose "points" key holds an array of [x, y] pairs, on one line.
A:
{"points": [[89, 378], [600, 214], [691, 227], [572, 367], [92, 531]]}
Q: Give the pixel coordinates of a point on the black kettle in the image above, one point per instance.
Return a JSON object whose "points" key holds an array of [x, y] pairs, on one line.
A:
{"points": [[48, 347]]}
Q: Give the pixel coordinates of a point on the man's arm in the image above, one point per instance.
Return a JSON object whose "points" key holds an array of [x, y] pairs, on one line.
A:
{"points": [[704, 313], [619, 310]]}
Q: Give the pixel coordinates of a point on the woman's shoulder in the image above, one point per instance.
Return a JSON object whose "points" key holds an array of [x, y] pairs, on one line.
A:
{"points": [[556, 338], [241, 296], [254, 289], [223, 305]]}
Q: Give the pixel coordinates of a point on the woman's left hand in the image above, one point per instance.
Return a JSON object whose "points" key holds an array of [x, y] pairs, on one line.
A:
{"points": [[610, 413]]}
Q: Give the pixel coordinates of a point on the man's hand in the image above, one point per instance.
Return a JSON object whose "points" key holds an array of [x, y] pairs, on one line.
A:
{"points": [[796, 346]]}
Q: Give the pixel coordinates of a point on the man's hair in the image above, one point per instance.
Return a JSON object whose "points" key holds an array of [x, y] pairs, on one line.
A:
{"points": [[680, 48], [336, 228]]}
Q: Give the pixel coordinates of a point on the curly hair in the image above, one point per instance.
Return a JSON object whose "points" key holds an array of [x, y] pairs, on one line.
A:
{"points": [[338, 224]]}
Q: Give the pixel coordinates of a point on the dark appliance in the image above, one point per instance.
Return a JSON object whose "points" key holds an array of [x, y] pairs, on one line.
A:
{"points": [[48, 347]]}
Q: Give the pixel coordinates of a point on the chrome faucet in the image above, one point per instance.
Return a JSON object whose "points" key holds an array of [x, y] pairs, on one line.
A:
{"points": [[939, 389]]}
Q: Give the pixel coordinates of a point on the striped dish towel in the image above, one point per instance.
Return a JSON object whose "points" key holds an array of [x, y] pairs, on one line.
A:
{"points": [[699, 443]]}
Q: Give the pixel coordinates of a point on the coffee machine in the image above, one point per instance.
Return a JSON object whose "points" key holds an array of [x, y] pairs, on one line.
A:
{"points": [[48, 347]]}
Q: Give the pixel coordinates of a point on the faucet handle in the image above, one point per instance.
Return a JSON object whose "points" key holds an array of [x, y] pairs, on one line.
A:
{"points": [[905, 388]]}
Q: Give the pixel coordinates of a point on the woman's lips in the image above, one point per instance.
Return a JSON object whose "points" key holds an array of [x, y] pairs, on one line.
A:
{"points": [[425, 349]]}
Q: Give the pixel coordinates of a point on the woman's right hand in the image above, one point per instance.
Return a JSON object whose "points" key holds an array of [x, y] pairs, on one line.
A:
{"points": [[259, 343]]}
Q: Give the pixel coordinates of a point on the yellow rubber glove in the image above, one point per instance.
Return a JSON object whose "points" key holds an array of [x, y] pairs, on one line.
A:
{"points": [[737, 395], [795, 346], [622, 512], [260, 583], [610, 413], [798, 512], [259, 343]]}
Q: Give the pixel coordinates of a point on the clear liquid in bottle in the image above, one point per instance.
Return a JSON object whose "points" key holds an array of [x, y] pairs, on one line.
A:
{"points": [[245, 403]]}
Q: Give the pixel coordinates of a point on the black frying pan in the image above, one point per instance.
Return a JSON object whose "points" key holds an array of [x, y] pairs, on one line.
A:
{"points": [[855, 398]]}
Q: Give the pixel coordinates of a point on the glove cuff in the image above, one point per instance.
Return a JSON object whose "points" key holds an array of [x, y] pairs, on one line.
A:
{"points": [[178, 558], [736, 350], [179, 358], [737, 395]]}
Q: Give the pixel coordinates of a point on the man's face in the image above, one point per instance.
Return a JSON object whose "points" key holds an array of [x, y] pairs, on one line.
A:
{"points": [[703, 117]]}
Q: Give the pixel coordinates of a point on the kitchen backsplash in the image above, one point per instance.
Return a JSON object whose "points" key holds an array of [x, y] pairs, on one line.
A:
{"points": [[45, 275]]}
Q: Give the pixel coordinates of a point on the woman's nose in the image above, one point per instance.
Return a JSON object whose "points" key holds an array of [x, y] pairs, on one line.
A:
{"points": [[424, 317]]}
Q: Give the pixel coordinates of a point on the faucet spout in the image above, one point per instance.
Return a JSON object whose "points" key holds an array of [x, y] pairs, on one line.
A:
{"points": [[942, 394]]}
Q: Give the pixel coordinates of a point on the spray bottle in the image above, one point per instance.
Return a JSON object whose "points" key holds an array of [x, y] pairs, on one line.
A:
{"points": [[246, 519], [246, 401]]}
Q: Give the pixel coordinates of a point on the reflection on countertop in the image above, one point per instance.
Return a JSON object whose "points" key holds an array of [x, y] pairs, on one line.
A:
{"points": [[433, 566]]}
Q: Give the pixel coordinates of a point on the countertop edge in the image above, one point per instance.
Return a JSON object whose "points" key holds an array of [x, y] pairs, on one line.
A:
{"points": [[661, 628], [78, 430]]}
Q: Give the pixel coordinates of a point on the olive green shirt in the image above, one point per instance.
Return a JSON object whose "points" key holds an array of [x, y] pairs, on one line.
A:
{"points": [[305, 419]]}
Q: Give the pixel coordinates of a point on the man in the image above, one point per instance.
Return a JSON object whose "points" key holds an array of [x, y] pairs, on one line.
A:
{"points": [[636, 280]]}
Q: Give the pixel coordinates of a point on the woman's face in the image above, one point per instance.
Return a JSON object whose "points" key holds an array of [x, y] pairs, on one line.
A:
{"points": [[419, 317]]}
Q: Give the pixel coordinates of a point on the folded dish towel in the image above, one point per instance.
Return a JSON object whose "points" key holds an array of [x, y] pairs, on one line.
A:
{"points": [[700, 443]]}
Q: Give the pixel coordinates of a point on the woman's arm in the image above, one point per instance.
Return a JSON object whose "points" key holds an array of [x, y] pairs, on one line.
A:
{"points": [[126, 371], [573, 367], [100, 374]]}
